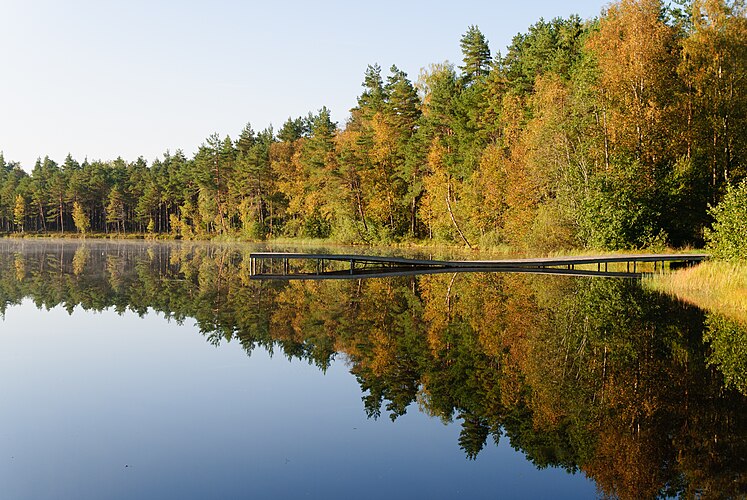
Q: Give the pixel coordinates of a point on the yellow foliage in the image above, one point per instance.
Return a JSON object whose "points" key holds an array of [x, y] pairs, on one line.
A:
{"points": [[633, 50]]}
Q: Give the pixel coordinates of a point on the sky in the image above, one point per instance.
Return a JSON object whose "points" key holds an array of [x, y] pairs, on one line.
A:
{"points": [[106, 79]]}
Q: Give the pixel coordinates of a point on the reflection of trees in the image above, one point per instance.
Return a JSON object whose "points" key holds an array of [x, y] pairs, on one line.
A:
{"points": [[728, 341], [586, 374]]}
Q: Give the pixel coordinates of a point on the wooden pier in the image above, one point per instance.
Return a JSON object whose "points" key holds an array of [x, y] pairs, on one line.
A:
{"points": [[279, 265]]}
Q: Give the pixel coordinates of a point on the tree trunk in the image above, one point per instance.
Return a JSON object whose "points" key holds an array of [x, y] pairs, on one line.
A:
{"points": [[360, 207], [451, 213], [413, 211], [62, 216], [43, 219]]}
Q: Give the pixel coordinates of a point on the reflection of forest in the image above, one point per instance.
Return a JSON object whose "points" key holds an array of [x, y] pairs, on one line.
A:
{"points": [[586, 374]]}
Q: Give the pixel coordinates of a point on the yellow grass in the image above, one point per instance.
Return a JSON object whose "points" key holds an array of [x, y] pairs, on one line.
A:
{"points": [[720, 287]]}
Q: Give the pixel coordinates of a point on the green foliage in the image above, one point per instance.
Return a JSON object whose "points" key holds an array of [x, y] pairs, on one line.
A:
{"points": [[727, 239], [620, 211], [476, 54], [292, 130], [548, 47], [316, 225], [372, 99], [115, 210], [552, 230]]}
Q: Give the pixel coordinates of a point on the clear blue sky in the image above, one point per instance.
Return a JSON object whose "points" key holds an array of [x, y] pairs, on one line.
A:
{"points": [[102, 79]]}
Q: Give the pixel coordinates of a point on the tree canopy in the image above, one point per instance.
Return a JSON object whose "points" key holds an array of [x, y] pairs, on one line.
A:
{"points": [[616, 132]]}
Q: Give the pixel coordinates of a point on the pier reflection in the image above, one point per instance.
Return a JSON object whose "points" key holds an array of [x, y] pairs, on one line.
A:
{"points": [[320, 266]]}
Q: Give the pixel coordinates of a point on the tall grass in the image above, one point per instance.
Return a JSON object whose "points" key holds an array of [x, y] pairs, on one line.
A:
{"points": [[717, 286]]}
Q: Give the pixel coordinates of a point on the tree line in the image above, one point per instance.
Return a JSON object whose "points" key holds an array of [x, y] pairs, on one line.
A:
{"points": [[614, 132]]}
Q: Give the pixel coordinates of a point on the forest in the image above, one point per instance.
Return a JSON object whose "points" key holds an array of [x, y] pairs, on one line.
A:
{"points": [[614, 132]]}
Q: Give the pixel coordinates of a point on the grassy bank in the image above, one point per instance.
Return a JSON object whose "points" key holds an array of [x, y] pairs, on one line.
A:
{"points": [[717, 286]]}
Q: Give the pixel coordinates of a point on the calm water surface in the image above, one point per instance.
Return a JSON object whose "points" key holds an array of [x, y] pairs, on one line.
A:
{"points": [[162, 371]]}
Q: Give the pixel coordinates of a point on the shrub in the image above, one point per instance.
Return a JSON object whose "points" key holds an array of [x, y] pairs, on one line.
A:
{"points": [[316, 225], [620, 210], [347, 231], [727, 239]]}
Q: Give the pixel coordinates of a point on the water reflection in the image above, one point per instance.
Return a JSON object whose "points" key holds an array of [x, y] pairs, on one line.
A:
{"points": [[590, 375]]}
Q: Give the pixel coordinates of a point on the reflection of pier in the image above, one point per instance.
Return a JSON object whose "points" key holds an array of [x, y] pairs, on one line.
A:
{"points": [[277, 265]]}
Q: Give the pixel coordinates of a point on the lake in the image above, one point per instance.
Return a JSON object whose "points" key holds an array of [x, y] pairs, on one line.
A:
{"points": [[147, 370]]}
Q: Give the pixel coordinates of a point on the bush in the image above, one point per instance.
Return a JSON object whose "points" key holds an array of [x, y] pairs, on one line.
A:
{"points": [[316, 225], [620, 210], [254, 230], [552, 230], [727, 239], [347, 231]]}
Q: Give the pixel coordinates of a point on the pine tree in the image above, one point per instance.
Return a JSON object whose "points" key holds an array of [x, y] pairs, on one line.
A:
{"points": [[115, 210], [292, 130], [476, 54], [403, 104], [372, 99]]}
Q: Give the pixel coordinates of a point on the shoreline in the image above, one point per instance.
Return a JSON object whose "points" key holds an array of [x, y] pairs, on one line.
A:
{"points": [[715, 286], [417, 246]]}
